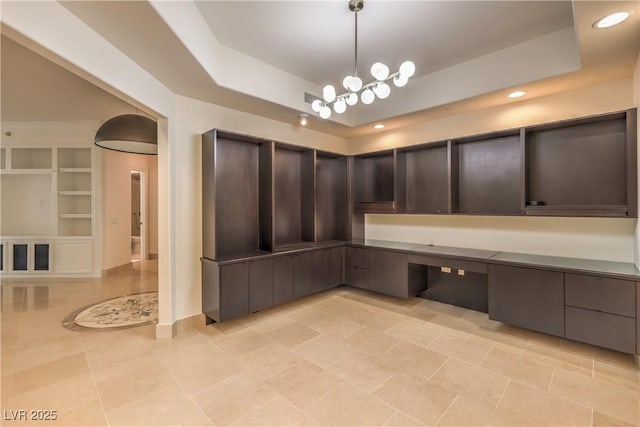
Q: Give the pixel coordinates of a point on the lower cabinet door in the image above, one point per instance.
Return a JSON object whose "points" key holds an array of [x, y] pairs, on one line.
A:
{"points": [[357, 277], [234, 290], [336, 266], [303, 274], [388, 273], [260, 285], [282, 279], [526, 297], [601, 329]]}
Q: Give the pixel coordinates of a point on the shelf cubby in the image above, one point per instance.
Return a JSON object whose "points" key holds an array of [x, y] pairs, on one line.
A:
{"points": [[31, 158], [579, 168], [374, 182], [331, 197], [293, 196], [74, 158], [424, 178], [487, 174], [78, 225], [3, 158]]}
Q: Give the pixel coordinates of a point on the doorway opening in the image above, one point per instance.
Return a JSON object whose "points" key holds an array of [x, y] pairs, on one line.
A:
{"points": [[138, 215]]}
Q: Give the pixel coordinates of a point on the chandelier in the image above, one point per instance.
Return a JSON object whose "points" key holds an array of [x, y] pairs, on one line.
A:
{"points": [[353, 84]]}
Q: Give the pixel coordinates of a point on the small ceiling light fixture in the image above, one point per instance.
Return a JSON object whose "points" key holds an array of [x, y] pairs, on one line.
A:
{"points": [[303, 119], [129, 133], [378, 126], [611, 20], [354, 85], [517, 94]]}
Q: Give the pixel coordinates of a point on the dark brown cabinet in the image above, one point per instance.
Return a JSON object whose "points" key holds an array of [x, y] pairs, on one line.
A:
{"points": [[226, 294], [374, 182], [260, 284], [527, 297], [423, 179], [282, 279], [388, 273], [487, 175]]}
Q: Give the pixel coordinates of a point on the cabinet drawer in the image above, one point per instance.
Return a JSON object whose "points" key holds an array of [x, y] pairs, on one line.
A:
{"points": [[358, 277], [602, 294], [357, 257], [601, 329], [476, 267]]}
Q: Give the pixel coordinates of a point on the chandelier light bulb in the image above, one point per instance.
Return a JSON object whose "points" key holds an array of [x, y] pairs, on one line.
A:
{"points": [[352, 99], [325, 112], [379, 71], [329, 93], [367, 96], [356, 84], [316, 105], [400, 80], [346, 82], [407, 69], [382, 90]]}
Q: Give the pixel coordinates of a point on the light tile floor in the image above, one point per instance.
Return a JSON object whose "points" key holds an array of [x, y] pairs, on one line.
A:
{"points": [[344, 357]]}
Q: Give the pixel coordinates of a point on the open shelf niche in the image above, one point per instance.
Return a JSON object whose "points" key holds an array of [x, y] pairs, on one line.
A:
{"points": [[582, 167], [487, 174], [293, 196], [236, 195], [331, 197], [423, 175], [74, 192], [374, 182]]}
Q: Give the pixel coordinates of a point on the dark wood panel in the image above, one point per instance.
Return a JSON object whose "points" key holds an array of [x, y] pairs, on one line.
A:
{"points": [[489, 176], [469, 291], [234, 290], [287, 191], [582, 164], [427, 180], [357, 257], [388, 273], [474, 266], [637, 318], [307, 195], [260, 285], [303, 274], [632, 162], [282, 279], [526, 297], [374, 178], [236, 197], [337, 267], [266, 196], [357, 277], [331, 198], [211, 289], [208, 195], [601, 294], [453, 165], [601, 329]]}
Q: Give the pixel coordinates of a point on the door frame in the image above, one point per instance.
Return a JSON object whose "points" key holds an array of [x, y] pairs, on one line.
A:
{"points": [[144, 255]]}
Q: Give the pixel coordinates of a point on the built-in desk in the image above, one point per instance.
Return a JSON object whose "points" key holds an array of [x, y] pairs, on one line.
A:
{"points": [[591, 301]]}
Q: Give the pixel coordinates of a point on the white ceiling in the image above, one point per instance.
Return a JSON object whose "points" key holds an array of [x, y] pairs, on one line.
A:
{"points": [[468, 54], [315, 40]]}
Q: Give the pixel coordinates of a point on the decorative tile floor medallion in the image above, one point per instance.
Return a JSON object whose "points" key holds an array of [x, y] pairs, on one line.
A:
{"points": [[117, 313]]}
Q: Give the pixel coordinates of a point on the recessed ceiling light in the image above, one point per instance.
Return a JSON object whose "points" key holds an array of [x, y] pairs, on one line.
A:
{"points": [[517, 94], [611, 20], [303, 119], [379, 126]]}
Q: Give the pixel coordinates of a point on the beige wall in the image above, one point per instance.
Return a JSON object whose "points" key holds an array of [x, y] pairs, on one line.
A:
{"points": [[116, 205], [602, 238], [636, 98], [602, 98]]}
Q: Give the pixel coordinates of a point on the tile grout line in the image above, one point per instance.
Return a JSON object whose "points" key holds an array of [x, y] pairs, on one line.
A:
{"points": [[447, 410], [189, 396], [553, 374], [502, 395], [95, 384]]}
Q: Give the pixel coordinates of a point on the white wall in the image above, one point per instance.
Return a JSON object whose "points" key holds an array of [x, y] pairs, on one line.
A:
{"points": [[116, 204], [598, 238], [192, 119]]}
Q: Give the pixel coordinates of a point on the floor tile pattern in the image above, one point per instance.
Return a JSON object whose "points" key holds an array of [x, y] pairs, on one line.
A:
{"points": [[345, 358]]}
